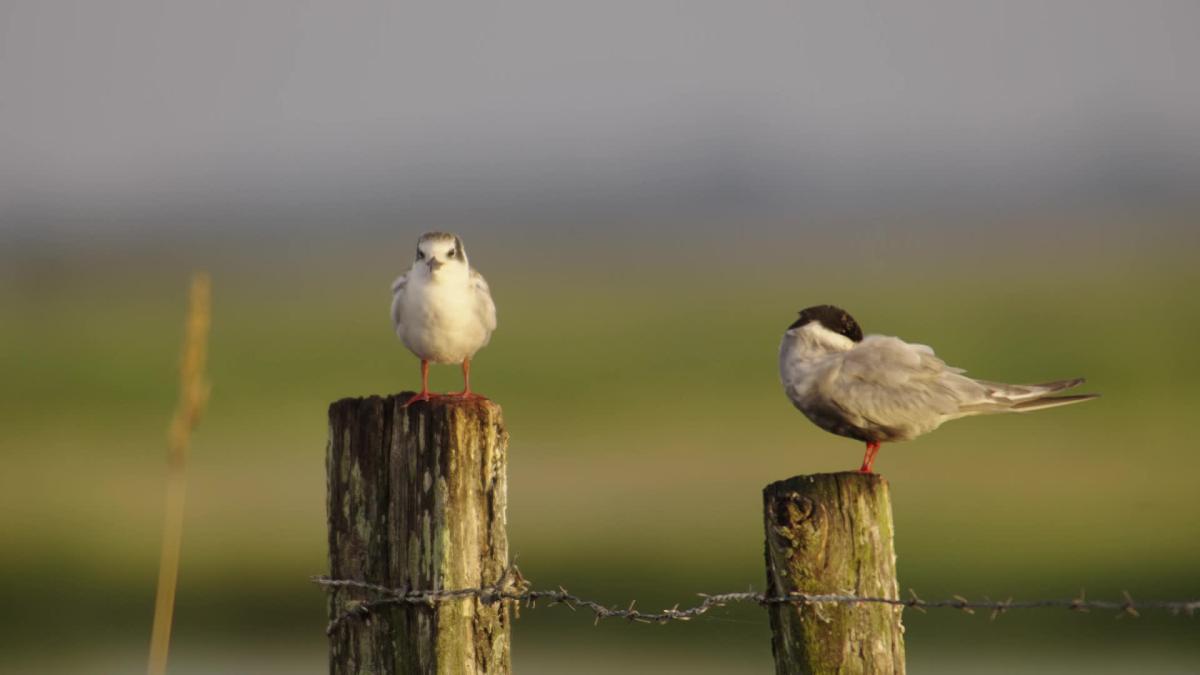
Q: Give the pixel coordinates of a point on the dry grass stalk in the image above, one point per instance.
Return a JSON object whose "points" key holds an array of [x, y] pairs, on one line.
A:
{"points": [[193, 394]]}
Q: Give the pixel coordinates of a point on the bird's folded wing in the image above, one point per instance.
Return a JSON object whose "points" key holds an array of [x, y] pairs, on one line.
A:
{"points": [[398, 287], [484, 305], [888, 382]]}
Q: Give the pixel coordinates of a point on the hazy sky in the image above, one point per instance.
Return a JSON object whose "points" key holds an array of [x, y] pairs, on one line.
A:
{"points": [[211, 110]]}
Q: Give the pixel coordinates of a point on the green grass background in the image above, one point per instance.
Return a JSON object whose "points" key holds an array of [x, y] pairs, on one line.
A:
{"points": [[638, 378]]}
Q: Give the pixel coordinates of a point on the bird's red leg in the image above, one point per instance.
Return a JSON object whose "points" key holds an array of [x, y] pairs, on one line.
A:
{"points": [[869, 458], [466, 392], [424, 395]]}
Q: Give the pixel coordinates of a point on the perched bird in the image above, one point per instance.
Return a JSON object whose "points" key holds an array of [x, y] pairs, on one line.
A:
{"points": [[880, 389], [442, 309]]}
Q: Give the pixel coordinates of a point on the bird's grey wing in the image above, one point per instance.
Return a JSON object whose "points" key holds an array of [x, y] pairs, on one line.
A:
{"points": [[485, 307], [929, 350], [398, 287], [898, 388]]}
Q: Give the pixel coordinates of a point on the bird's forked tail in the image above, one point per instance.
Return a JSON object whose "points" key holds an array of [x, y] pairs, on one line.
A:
{"points": [[1051, 402]]}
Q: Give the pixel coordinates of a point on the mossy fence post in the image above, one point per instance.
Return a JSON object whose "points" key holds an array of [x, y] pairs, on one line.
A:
{"points": [[832, 534], [417, 500]]}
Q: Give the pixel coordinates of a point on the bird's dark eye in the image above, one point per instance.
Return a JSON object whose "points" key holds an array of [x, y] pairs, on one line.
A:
{"points": [[420, 254], [452, 253]]}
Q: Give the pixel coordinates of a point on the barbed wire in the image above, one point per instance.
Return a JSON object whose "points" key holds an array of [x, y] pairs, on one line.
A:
{"points": [[514, 588]]}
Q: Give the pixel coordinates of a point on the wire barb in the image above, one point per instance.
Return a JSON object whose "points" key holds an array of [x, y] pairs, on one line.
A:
{"points": [[964, 604], [1001, 607], [1079, 604], [916, 602]]}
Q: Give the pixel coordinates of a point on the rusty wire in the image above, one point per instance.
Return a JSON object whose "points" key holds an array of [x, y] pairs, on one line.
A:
{"points": [[512, 587]]}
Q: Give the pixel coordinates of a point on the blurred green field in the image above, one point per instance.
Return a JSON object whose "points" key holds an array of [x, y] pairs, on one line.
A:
{"points": [[639, 385]]}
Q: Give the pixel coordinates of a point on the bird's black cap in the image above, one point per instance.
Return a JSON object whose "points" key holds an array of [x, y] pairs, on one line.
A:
{"points": [[833, 318]]}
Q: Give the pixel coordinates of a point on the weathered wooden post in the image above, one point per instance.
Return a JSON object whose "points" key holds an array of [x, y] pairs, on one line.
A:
{"points": [[832, 534], [416, 500]]}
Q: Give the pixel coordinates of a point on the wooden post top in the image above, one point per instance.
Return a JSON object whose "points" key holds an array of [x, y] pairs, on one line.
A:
{"points": [[440, 402], [857, 477]]}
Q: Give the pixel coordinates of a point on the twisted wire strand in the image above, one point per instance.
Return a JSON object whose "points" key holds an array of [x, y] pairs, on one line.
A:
{"points": [[512, 587]]}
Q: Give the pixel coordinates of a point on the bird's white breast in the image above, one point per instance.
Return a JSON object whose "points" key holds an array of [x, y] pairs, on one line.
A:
{"points": [[442, 322], [805, 356], [801, 378]]}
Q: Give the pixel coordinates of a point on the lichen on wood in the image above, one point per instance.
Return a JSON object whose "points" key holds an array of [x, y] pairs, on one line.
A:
{"points": [[417, 500], [832, 533]]}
